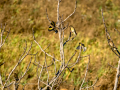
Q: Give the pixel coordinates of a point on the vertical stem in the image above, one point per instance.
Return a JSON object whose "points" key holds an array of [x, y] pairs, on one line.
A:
{"points": [[62, 42], [46, 69], [58, 11], [85, 74], [60, 34], [117, 76], [63, 50]]}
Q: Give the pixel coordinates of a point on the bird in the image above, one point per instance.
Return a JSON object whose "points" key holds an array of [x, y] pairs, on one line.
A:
{"points": [[52, 29], [1, 63], [72, 29], [113, 46], [111, 43], [81, 46], [53, 24], [116, 49], [16, 76]]}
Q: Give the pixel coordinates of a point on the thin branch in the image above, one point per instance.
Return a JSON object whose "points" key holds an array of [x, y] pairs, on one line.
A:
{"points": [[46, 69], [60, 71], [111, 66], [117, 31], [9, 84], [85, 73], [71, 58], [69, 39], [73, 11], [25, 71], [5, 38], [42, 49], [58, 12], [92, 85], [54, 64], [62, 24], [39, 78], [109, 39], [47, 16], [71, 65], [46, 47], [117, 76], [17, 65]]}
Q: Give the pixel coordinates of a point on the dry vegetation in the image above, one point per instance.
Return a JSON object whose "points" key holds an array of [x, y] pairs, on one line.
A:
{"points": [[23, 15]]}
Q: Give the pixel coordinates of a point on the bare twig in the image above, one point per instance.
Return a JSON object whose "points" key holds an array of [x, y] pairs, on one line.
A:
{"points": [[46, 69], [92, 85], [71, 58], [117, 76], [71, 65], [117, 31], [85, 73], [42, 49], [58, 12], [1, 33], [54, 64], [27, 53], [62, 48], [109, 39], [4, 39], [69, 39], [25, 71], [47, 16], [111, 66], [39, 78], [73, 11], [117, 54], [10, 84]]}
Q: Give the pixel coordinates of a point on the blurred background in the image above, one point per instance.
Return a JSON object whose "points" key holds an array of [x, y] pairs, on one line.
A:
{"points": [[23, 15]]}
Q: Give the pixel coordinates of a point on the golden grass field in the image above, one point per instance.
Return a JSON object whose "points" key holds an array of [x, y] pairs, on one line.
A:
{"points": [[23, 15]]}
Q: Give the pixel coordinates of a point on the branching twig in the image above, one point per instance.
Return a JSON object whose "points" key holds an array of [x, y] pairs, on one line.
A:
{"points": [[92, 85], [27, 53], [71, 65], [85, 73], [42, 49], [25, 71], [1, 34], [117, 54], [73, 11], [109, 39]]}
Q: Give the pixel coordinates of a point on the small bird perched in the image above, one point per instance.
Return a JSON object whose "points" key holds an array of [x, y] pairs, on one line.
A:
{"points": [[82, 47], [16, 76], [1, 63], [72, 29], [111, 43], [52, 27], [113, 46]]}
